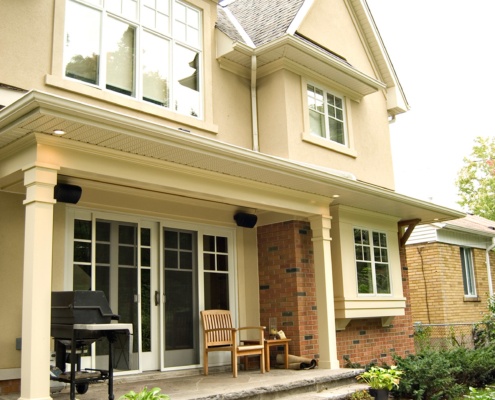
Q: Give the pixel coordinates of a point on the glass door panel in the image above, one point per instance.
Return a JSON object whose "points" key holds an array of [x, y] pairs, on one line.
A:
{"points": [[180, 285], [116, 265], [150, 297]]}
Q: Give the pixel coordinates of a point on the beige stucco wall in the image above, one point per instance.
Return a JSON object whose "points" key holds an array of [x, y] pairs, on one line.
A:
{"points": [[11, 266], [332, 24], [227, 115], [282, 105], [40, 33]]}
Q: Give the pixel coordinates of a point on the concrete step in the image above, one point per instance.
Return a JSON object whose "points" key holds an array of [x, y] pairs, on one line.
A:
{"points": [[336, 393], [339, 386]]}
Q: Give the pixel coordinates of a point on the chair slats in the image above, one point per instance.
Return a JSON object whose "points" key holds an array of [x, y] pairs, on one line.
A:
{"points": [[220, 335]]}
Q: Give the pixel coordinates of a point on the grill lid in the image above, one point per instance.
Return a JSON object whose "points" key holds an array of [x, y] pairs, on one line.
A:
{"points": [[81, 307]]}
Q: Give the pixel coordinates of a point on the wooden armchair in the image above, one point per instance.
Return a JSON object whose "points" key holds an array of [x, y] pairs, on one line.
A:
{"points": [[220, 335]]}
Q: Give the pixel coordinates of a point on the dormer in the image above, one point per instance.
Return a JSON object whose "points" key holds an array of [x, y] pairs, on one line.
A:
{"points": [[288, 41]]}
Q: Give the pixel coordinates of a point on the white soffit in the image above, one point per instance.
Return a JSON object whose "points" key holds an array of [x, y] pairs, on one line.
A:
{"points": [[40, 113]]}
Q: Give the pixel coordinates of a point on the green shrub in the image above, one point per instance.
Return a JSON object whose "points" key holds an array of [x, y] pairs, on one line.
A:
{"points": [[428, 375], [477, 366], [484, 331], [445, 374]]}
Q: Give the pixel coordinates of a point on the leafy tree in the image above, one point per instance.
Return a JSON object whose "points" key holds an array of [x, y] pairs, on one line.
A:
{"points": [[476, 179]]}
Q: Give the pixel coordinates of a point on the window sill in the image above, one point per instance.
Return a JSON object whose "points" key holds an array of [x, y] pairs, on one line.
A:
{"points": [[328, 144], [370, 307], [129, 102], [472, 299]]}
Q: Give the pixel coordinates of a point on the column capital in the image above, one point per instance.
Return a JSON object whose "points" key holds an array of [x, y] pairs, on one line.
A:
{"points": [[320, 225], [39, 180]]}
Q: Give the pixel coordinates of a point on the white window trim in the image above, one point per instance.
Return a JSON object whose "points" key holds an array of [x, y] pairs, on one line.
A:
{"points": [[307, 136], [468, 272], [375, 292], [58, 80]]}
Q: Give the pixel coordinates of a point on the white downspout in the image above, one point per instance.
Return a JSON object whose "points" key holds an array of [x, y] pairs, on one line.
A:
{"points": [[254, 107], [488, 267]]}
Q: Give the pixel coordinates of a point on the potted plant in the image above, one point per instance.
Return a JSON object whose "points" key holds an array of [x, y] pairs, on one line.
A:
{"points": [[361, 395], [381, 380], [145, 394]]}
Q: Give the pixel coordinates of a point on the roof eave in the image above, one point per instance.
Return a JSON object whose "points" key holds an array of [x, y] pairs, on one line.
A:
{"points": [[263, 168], [297, 52]]}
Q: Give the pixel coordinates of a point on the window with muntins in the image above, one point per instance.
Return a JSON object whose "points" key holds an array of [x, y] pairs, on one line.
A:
{"points": [[326, 115], [468, 271], [146, 49], [372, 262], [216, 267]]}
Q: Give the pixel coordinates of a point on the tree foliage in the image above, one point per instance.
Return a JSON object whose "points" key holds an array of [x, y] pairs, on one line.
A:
{"points": [[476, 179]]}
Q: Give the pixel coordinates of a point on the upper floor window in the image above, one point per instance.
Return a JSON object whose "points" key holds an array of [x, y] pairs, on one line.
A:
{"points": [[372, 262], [146, 49], [468, 271], [326, 115]]}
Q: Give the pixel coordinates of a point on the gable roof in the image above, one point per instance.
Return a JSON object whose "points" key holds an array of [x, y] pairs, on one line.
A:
{"points": [[473, 224], [254, 25], [470, 230], [262, 20]]}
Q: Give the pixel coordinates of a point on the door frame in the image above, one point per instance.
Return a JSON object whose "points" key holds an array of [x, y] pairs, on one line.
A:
{"points": [[74, 212]]}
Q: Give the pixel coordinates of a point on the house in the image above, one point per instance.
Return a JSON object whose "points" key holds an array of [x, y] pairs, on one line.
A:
{"points": [[451, 269], [187, 155]]}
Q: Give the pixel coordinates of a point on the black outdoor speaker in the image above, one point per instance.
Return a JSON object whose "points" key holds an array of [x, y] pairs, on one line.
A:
{"points": [[65, 193], [245, 220]]}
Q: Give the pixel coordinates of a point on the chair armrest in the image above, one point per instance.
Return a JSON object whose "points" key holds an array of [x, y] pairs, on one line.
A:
{"points": [[252, 327]]}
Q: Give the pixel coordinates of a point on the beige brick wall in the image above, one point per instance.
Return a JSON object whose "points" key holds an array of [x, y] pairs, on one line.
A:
{"points": [[437, 292]]}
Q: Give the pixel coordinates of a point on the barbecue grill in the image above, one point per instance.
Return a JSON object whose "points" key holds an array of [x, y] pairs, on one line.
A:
{"points": [[79, 318]]}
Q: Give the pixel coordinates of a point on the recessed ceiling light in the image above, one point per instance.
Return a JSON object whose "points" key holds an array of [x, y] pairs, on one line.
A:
{"points": [[59, 132]]}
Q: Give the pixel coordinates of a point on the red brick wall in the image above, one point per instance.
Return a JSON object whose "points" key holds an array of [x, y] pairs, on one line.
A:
{"points": [[365, 340], [287, 292], [287, 287], [10, 386]]}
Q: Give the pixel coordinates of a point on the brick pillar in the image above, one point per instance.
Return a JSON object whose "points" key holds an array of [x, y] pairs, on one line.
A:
{"points": [[287, 284]]}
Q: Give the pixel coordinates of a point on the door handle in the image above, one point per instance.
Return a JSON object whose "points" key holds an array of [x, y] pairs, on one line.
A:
{"points": [[157, 298]]}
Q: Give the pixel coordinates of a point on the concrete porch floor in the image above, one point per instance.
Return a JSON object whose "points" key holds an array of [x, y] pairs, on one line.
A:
{"points": [[276, 384]]}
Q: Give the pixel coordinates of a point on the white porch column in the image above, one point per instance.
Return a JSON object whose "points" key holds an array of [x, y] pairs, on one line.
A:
{"points": [[327, 340], [39, 180]]}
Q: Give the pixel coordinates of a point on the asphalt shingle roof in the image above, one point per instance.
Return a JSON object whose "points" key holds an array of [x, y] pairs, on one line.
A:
{"points": [[475, 223], [262, 20]]}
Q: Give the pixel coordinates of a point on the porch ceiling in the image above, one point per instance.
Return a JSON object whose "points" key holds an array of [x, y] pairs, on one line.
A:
{"points": [[43, 113]]}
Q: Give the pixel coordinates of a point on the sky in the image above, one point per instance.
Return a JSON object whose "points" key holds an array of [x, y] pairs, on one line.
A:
{"points": [[443, 52]]}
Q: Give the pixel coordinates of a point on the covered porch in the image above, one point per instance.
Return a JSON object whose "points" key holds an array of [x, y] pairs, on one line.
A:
{"points": [[148, 176]]}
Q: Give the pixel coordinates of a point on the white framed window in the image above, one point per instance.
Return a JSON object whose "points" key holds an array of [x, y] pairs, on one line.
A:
{"points": [[150, 50], [468, 271], [372, 262], [326, 114]]}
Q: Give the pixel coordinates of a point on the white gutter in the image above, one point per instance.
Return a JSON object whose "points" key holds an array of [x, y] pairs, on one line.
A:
{"points": [[254, 107], [488, 267]]}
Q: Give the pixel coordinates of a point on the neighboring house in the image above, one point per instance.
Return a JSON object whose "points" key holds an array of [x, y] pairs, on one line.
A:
{"points": [[172, 117], [451, 269]]}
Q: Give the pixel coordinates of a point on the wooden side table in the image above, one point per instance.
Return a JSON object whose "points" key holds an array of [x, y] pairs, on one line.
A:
{"points": [[276, 342]]}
